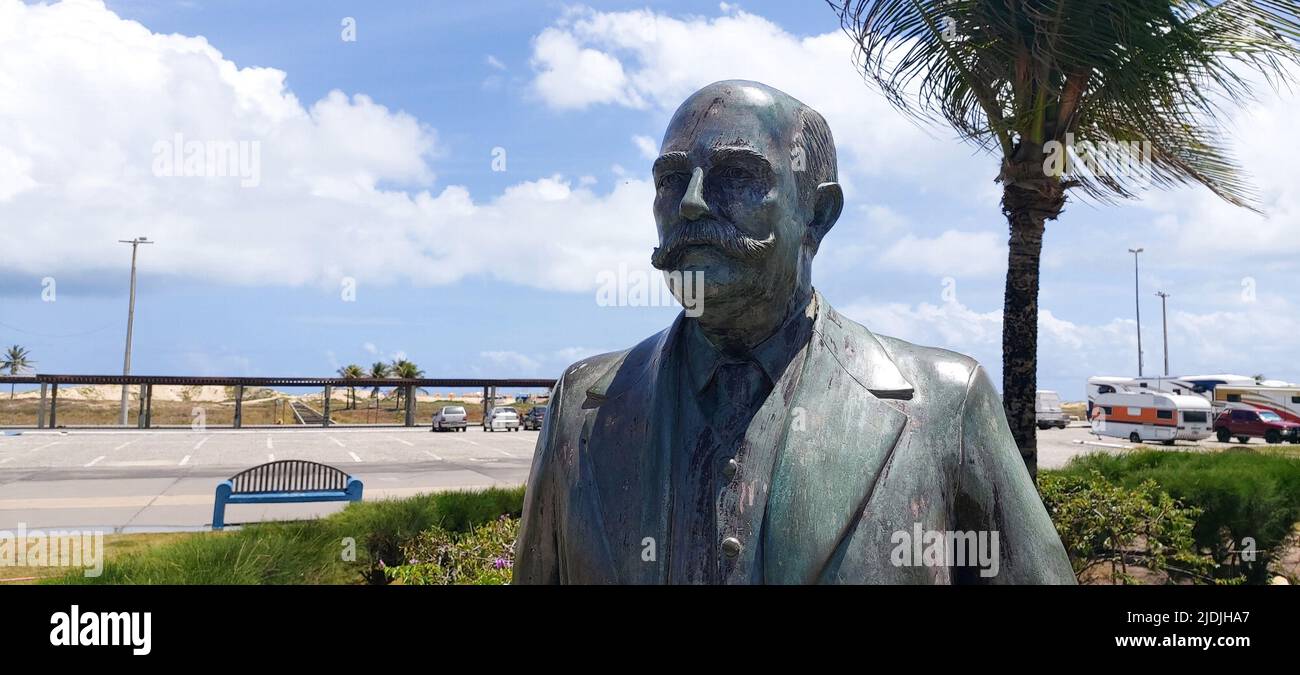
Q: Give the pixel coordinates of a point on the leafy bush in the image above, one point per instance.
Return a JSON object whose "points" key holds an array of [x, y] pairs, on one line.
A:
{"points": [[484, 555], [385, 526], [1105, 524], [1248, 502]]}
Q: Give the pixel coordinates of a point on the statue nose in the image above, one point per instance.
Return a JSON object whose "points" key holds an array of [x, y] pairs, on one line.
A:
{"points": [[693, 206]]}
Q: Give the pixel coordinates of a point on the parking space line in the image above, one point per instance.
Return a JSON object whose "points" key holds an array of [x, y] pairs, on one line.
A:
{"points": [[201, 442], [502, 452], [406, 443], [125, 444], [271, 457], [354, 457], [433, 455], [269, 444], [94, 461], [336, 441], [184, 460]]}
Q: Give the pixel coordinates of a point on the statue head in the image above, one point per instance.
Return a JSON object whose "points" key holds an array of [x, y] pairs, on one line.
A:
{"points": [[745, 190]]}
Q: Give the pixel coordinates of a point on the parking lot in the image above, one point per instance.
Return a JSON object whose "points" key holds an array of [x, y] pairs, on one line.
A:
{"points": [[1057, 446], [164, 479]]}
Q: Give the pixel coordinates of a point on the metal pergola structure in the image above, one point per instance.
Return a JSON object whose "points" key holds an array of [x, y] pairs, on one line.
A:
{"points": [[50, 390]]}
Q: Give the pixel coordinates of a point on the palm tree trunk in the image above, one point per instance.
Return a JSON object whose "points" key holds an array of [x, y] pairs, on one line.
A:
{"points": [[1029, 199]]}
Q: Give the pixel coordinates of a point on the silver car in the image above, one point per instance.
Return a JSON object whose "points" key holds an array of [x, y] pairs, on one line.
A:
{"points": [[450, 418], [503, 419]]}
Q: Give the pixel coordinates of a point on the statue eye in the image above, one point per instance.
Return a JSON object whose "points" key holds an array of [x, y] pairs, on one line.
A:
{"points": [[670, 179], [735, 173]]}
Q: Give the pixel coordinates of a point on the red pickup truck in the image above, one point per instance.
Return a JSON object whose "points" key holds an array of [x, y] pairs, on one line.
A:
{"points": [[1244, 425]]}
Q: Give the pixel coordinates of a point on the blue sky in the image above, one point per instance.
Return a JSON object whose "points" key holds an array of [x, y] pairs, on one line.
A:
{"points": [[377, 170]]}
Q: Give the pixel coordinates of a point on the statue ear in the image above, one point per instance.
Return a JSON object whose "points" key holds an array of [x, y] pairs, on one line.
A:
{"points": [[827, 205]]}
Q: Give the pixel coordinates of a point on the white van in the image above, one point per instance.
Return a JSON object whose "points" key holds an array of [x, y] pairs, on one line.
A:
{"points": [[1152, 417], [1047, 410]]}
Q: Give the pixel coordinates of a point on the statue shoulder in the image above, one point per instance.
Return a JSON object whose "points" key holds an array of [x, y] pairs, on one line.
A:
{"points": [[597, 378], [584, 373], [931, 369]]}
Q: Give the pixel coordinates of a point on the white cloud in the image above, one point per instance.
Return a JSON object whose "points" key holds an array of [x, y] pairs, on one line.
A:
{"points": [[513, 361], [952, 253], [495, 62], [647, 146], [1069, 352], [654, 61], [345, 184]]}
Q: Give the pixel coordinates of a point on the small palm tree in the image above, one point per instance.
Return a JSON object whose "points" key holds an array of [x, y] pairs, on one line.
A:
{"points": [[378, 371], [405, 370], [351, 372], [16, 361], [1038, 81]]}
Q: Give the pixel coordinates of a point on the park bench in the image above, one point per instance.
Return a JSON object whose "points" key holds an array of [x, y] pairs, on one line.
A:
{"points": [[284, 481]]}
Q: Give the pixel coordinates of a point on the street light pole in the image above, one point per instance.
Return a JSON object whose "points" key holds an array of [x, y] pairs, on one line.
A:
{"points": [[1164, 323], [1137, 305], [130, 319]]}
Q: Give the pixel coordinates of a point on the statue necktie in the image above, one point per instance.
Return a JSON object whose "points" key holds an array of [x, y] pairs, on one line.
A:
{"points": [[737, 390]]}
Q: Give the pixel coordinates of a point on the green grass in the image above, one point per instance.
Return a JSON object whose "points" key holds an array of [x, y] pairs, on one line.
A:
{"points": [[305, 552], [115, 546]]}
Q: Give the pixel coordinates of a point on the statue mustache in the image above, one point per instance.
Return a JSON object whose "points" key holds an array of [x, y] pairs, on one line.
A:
{"points": [[720, 234]]}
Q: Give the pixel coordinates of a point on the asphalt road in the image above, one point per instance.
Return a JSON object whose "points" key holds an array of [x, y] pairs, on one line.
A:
{"points": [[130, 481]]}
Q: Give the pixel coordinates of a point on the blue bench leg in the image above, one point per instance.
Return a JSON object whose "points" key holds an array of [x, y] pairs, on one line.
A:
{"points": [[354, 490], [219, 508]]}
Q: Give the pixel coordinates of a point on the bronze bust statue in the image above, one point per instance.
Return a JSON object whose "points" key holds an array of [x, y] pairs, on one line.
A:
{"points": [[770, 439]]}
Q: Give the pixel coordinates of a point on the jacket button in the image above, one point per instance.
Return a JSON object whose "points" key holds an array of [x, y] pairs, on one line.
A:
{"points": [[729, 469], [731, 547]]}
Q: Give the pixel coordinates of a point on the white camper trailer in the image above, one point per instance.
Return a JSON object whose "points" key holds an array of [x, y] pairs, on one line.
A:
{"points": [[1153, 416], [1181, 385]]}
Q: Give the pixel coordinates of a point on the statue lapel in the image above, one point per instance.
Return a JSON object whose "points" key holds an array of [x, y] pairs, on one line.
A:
{"points": [[622, 455], [840, 438]]}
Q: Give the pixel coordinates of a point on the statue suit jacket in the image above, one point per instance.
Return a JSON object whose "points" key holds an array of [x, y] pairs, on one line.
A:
{"points": [[862, 438]]}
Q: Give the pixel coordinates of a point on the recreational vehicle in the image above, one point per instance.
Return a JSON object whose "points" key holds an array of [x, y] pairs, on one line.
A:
{"points": [[1153, 416], [1181, 385], [1285, 401]]}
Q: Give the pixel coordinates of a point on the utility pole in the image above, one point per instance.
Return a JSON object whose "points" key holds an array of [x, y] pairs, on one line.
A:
{"points": [[130, 318], [1164, 321], [1137, 305]]}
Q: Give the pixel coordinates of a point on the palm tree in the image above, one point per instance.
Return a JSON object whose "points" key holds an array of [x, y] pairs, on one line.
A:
{"points": [[378, 371], [1026, 78], [407, 371], [351, 372], [16, 361]]}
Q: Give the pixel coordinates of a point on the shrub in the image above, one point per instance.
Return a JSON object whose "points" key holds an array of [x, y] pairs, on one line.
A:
{"points": [[484, 555], [385, 526], [1105, 524], [1248, 502]]}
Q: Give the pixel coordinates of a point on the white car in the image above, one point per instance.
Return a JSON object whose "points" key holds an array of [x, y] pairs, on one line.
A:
{"points": [[450, 418], [503, 419]]}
